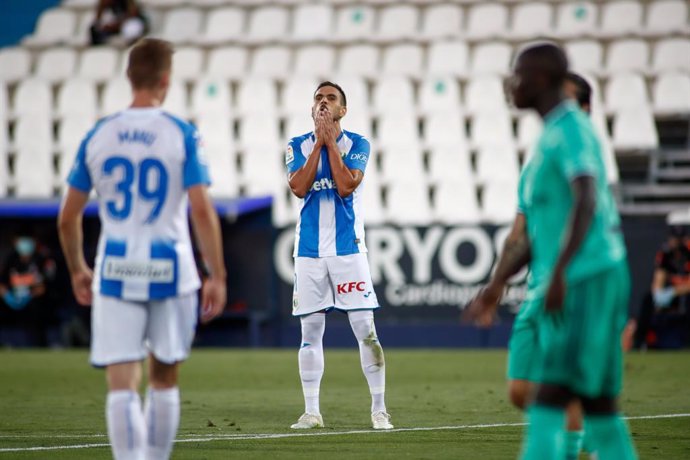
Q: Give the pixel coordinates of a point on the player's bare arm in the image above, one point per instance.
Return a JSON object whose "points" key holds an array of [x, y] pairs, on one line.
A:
{"points": [[584, 202], [207, 229], [71, 240], [514, 256], [346, 180]]}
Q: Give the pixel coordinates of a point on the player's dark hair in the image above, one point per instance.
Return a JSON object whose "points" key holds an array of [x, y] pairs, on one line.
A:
{"points": [[551, 58], [149, 59], [584, 90], [336, 86]]}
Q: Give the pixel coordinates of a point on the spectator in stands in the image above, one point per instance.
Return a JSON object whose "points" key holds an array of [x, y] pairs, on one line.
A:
{"points": [[25, 287], [665, 313], [123, 18]]}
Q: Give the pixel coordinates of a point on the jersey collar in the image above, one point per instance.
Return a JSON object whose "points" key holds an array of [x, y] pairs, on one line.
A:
{"points": [[557, 112]]}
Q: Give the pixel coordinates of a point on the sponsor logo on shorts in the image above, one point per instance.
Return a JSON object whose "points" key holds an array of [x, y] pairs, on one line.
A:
{"points": [[346, 288]]}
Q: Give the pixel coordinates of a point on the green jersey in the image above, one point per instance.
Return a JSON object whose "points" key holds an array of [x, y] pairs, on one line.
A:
{"points": [[568, 148], [522, 209]]}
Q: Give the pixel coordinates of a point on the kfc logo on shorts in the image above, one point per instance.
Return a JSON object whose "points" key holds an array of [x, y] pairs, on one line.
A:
{"points": [[346, 288]]}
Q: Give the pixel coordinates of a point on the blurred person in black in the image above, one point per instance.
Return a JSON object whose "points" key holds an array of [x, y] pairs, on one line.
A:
{"points": [[123, 18], [26, 290]]}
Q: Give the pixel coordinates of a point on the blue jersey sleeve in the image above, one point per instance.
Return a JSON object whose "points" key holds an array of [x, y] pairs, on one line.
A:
{"points": [[358, 156], [293, 156], [195, 170], [79, 177]]}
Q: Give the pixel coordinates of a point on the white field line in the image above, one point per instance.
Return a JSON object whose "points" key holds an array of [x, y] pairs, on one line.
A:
{"points": [[240, 437]]}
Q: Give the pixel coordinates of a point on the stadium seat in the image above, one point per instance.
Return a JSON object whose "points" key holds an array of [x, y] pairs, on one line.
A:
{"points": [[312, 22], [223, 25], [262, 170], [404, 59], [372, 203], [485, 94], [497, 163], [77, 97], [4, 110], [576, 19], [298, 124], [176, 100], [298, 95], [82, 35], [499, 202], [257, 95], [32, 97], [585, 56], [397, 22], [56, 64], [398, 130], [450, 164], [626, 91], [15, 64], [359, 60], [491, 129], [445, 129], [666, 16], [55, 26], [487, 20], [671, 54], [98, 64], [271, 62], [188, 63], [34, 133], [528, 130], [634, 129], [408, 204], [672, 93], [357, 122], [259, 133], [393, 95], [33, 174], [356, 91], [211, 97], [354, 22], [182, 25], [315, 61], [492, 58], [627, 56], [268, 23], [448, 58], [70, 134], [531, 20], [216, 133], [116, 96], [402, 164], [441, 22], [620, 17], [439, 94], [224, 178], [284, 211], [229, 62], [455, 202]]}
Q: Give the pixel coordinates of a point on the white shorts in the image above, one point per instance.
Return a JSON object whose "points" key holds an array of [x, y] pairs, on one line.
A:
{"points": [[125, 331], [341, 282]]}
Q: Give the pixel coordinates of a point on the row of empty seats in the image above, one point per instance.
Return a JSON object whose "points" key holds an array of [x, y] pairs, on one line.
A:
{"points": [[320, 21], [454, 58]]}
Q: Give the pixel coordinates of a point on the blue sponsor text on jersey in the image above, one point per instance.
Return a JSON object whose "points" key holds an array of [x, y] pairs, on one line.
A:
{"points": [[144, 137]]}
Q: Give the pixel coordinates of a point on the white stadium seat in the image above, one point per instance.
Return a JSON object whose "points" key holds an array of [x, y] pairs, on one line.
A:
{"points": [[228, 62], [398, 22], [672, 93], [283, 212], [671, 54], [455, 202], [32, 97], [529, 129], [448, 58], [268, 23], [262, 171], [402, 164], [404, 59], [497, 163], [258, 131], [485, 94], [71, 132], [628, 56], [98, 64], [487, 20], [216, 133], [224, 179], [532, 20], [576, 19], [223, 25], [257, 95], [626, 91], [491, 58], [4, 110], [116, 96], [355, 22], [56, 64], [298, 124], [55, 26], [445, 129], [398, 130], [82, 36], [34, 133], [33, 174], [357, 122], [439, 94], [499, 202], [621, 17], [176, 100], [315, 61], [188, 63], [356, 91], [393, 95], [360, 60], [312, 22], [271, 62], [585, 56], [15, 64], [77, 97], [408, 203], [372, 204], [635, 129], [450, 164], [491, 129], [182, 25], [441, 21], [211, 97], [298, 95], [667, 16]]}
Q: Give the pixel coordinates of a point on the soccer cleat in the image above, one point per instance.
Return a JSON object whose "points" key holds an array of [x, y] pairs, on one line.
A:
{"points": [[308, 421], [381, 420]]}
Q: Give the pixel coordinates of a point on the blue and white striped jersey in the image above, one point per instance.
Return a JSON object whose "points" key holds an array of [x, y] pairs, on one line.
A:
{"points": [[140, 163], [329, 225]]}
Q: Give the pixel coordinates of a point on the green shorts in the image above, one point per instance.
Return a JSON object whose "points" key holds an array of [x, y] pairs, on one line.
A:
{"points": [[524, 355], [581, 345]]}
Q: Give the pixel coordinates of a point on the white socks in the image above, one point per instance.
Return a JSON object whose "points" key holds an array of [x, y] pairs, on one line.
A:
{"points": [[162, 413], [135, 436], [311, 360], [126, 426], [371, 356]]}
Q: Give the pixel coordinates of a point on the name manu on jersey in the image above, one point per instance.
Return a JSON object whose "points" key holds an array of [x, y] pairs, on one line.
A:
{"points": [[137, 136]]}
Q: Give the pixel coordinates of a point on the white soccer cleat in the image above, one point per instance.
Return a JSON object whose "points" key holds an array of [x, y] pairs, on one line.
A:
{"points": [[308, 421], [380, 420]]}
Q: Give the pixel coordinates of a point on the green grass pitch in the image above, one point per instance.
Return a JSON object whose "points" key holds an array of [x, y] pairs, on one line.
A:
{"points": [[50, 398]]}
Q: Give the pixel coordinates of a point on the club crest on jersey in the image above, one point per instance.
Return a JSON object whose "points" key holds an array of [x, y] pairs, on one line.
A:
{"points": [[289, 155]]}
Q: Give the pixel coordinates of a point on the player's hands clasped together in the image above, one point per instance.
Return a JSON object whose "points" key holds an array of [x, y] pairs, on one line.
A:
{"points": [[213, 297], [325, 127]]}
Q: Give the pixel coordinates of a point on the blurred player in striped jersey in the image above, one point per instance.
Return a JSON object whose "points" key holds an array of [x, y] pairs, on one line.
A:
{"points": [[145, 166], [325, 169]]}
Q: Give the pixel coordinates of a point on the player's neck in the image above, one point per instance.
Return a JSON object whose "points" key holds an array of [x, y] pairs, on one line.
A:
{"points": [[548, 102], [144, 98]]}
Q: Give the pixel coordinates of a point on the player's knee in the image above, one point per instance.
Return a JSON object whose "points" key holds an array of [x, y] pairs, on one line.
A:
{"points": [[519, 393], [162, 376]]}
